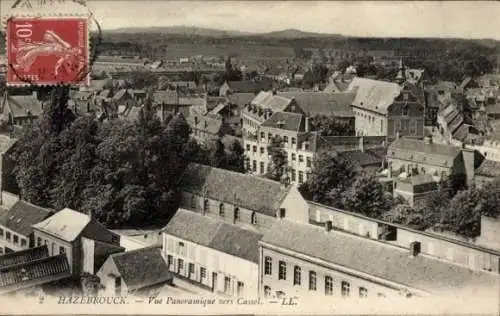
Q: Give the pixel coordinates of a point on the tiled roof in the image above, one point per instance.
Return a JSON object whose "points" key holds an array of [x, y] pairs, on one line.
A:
{"points": [[285, 120], [120, 94], [142, 267], [192, 100], [246, 191], [241, 98], [268, 100], [66, 224], [20, 217], [166, 97], [249, 86], [385, 261], [374, 95], [213, 102], [323, 103], [489, 168], [34, 273], [23, 256], [337, 86], [218, 235], [206, 123], [346, 143], [361, 158], [21, 104], [422, 152]]}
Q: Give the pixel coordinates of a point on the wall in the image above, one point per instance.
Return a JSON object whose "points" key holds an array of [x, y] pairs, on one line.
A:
{"points": [[9, 243], [108, 281], [223, 264], [296, 207], [368, 123], [322, 270], [9, 199], [88, 246], [72, 250]]}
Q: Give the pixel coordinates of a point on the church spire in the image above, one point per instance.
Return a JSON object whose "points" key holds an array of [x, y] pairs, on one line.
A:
{"points": [[401, 77]]}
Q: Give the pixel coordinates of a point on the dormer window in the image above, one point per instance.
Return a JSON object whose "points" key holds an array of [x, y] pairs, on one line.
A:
{"points": [[405, 110]]}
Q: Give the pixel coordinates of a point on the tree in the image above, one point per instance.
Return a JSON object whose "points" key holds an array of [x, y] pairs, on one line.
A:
{"points": [[236, 157], [218, 157], [278, 155], [330, 176], [329, 125], [367, 196]]}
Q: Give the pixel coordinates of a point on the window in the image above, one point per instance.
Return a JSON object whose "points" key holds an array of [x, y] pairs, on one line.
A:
{"points": [[205, 206], [294, 176], [38, 241], [254, 148], [328, 285], [306, 146], [308, 162], [301, 177], [180, 248], [262, 167], [269, 136], [253, 218], [248, 147], [262, 135], [261, 150], [312, 281], [294, 157], [294, 141], [363, 292], [345, 288], [267, 291], [203, 274], [190, 270], [268, 266], [254, 166], [285, 139], [236, 214], [296, 275], [62, 249], [24, 242], [170, 261], [221, 210], [240, 288], [180, 265], [405, 111], [1, 233], [301, 158], [227, 284], [7, 235], [282, 270], [16, 239]]}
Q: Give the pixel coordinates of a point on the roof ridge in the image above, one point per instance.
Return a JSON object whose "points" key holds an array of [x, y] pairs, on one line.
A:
{"points": [[119, 254]]}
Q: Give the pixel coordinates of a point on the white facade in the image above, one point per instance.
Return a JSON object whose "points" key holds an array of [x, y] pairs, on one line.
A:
{"points": [[212, 269]]}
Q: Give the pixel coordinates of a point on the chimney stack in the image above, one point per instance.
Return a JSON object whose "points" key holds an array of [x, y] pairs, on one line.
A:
{"points": [[328, 226], [361, 143], [397, 135], [307, 123], [414, 248]]}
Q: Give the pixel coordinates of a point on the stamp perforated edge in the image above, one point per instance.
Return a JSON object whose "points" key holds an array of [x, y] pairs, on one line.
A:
{"points": [[84, 82]]}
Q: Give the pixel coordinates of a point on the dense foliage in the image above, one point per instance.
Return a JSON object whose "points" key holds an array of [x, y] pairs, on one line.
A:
{"points": [[278, 156], [329, 125]]}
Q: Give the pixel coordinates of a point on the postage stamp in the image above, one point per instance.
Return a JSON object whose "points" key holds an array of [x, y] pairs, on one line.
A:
{"points": [[47, 50]]}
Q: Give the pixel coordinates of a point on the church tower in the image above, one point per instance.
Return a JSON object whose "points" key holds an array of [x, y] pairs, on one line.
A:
{"points": [[401, 77]]}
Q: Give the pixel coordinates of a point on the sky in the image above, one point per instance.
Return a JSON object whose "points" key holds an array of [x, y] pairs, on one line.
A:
{"points": [[465, 19]]}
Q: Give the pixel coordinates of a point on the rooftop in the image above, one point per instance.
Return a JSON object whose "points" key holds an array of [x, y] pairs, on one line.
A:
{"points": [[373, 95], [66, 224], [21, 105], [23, 256], [419, 150], [285, 120], [323, 103], [215, 234], [22, 216], [387, 262], [254, 193], [142, 267], [489, 168]]}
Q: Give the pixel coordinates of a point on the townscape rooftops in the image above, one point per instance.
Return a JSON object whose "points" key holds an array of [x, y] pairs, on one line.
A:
{"points": [[373, 95], [23, 256], [387, 262], [243, 190], [489, 168], [66, 224], [268, 100], [20, 217], [21, 105], [285, 120], [324, 103], [166, 97], [241, 98], [205, 123], [34, 273], [361, 158], [142, 267], [417, 150], [248, 86], [215, 234]]}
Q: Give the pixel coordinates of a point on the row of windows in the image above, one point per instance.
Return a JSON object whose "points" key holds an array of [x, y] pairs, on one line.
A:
{"points": [[53, 247], [345, 287], [202, 274], [13, 237], [222, 211]]}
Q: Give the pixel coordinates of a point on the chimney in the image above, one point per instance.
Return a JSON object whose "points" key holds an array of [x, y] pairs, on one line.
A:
{"points": [[414, 248], [361, 143], [307, 123], [328, 226], [469, 159], [397, 135]]}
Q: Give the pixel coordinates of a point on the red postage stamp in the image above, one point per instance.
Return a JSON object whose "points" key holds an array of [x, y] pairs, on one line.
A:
{"points": [[47, 51]]}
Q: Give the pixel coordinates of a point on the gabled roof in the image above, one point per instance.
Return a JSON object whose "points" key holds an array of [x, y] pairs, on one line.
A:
{"points": [[118, 95], [387, 261], [285, 120], [23, 256], [215, 234], [374, 95], [268, 100], [422, 152], [22, 216], [361, 158], [254, 193], [241, 98], [106, 93], [21, 105], [34, 273], [66, 224], [205, 123], [324, 103], [249, 86], [6, 143], [166, 97], [142, 267], [489, 168]]}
